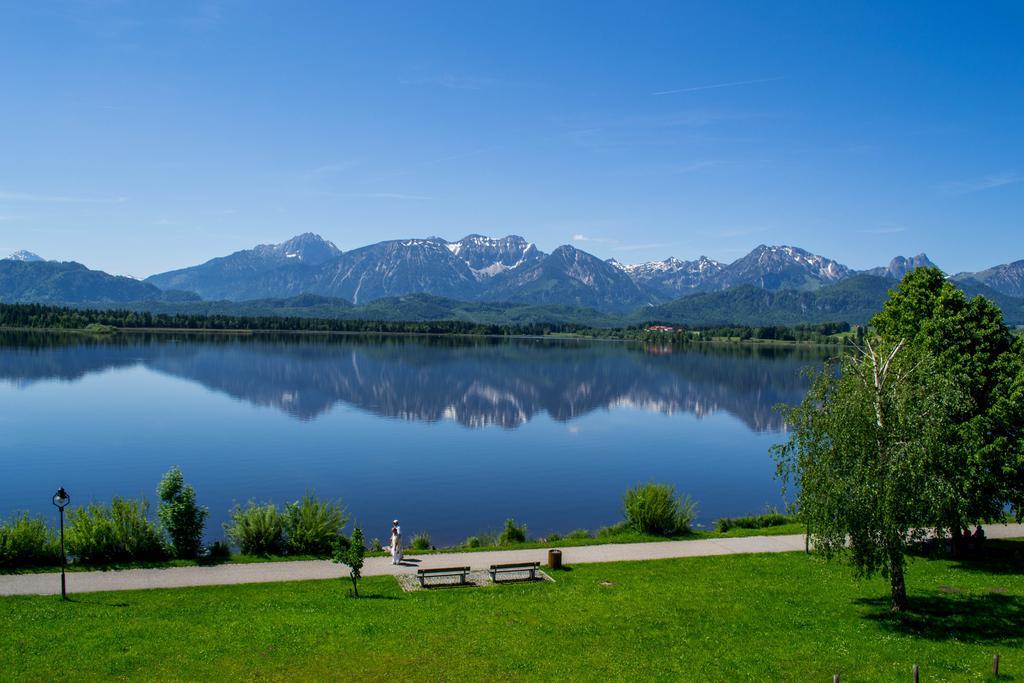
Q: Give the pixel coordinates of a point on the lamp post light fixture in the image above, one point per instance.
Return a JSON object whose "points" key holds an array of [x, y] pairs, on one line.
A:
{"points": [[61, 500]]}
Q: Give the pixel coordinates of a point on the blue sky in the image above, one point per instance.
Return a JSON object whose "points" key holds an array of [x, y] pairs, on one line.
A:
{"points": [[139, 137]]}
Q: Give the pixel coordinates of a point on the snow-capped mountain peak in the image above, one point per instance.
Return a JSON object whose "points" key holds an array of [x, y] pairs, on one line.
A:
{"points": [[781, 267], [27, 256], [489, 256], [307, 248], [671, 277]]}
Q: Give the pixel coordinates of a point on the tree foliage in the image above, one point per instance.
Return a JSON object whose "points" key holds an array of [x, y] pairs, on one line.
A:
{"points": [[866, 455], [352, 556], [971, 343], [180, 516], [40, 316]]}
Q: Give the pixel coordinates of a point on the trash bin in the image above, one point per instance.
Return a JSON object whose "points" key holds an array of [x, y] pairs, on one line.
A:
{"points": [[555, 559]]}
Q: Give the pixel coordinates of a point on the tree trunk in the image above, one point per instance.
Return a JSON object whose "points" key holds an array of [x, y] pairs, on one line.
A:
{"points": [[355, 586], [897, 584]]}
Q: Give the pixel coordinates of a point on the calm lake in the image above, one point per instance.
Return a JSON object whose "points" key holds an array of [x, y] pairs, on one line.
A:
{"points": [[450, 435]]}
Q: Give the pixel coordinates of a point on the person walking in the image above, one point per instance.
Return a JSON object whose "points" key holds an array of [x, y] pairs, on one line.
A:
{"points": [[396, 543]]}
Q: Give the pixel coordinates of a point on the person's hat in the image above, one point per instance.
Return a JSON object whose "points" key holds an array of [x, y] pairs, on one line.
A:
{"points": [[395, 522]]}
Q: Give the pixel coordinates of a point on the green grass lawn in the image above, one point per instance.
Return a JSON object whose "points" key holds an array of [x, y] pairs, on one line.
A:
{"points": [[746, 617]]}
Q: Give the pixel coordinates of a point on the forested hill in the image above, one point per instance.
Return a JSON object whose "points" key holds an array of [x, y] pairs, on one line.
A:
{"points": [[42, 317], [853, 300]]}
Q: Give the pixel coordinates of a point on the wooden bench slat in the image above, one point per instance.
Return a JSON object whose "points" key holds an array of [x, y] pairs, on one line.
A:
{"points": [[423, 574], [516, 565], [531, 567]]}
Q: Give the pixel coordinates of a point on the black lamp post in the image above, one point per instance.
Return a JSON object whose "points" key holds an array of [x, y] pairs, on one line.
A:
{"points": [[61, 500]]}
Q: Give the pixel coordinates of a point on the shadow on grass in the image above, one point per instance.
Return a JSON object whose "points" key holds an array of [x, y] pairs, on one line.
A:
{"points": [[87, 602], [989, 618], [994, 557], [372, 597]]}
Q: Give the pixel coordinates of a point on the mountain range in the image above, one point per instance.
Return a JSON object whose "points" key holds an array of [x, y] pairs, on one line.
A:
{"points": [[771, 284], [479, 268]]}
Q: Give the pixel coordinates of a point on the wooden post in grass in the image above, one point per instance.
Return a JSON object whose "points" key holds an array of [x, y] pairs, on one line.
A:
{"points": [[917, 674], [995, 665]]}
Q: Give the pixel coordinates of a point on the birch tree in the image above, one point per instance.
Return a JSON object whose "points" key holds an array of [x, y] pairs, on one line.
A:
{"points": [[864, 455]]}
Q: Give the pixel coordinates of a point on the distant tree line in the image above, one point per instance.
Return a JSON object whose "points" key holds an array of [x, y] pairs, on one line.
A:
{"points": [[39, 316]]}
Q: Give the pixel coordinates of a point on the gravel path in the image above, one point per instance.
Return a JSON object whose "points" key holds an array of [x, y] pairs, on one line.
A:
{"points": [[265, 572]]}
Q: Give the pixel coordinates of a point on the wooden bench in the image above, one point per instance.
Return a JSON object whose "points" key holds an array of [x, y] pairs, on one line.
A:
{"points": [[515, 567], [424, 574]]}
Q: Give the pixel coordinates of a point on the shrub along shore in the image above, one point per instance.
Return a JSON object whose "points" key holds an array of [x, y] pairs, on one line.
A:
{"points": [[125, 534]]}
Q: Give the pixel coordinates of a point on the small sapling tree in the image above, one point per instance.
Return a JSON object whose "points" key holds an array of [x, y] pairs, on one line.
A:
{"points": [[352, 557]]}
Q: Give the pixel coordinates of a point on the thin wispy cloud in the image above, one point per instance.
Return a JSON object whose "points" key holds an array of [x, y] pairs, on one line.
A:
{"points": [[580, 237], [986, 182], [694, 118], [207, 16], [642, 247], [714, 86], [732, 233], [884, 230], [695, 166], [325, 170], [711, 164], [394, 195], [617, 245], [452, 81], [398, 196], [58, 199], [434, 162]]}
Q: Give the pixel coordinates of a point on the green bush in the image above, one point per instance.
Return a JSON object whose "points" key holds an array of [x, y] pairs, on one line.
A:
{"points": [[219, 551], [553, 537], [579, 534], [614, 530], [180, 516], [313, 527], [257, 529], [472, 542], [420, 541], [753, 521], [27, 542], [656, 509], [512, 533], [120, 532]]}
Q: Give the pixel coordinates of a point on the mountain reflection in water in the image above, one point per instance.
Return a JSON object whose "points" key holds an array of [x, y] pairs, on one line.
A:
{"points": [[476, 382]]}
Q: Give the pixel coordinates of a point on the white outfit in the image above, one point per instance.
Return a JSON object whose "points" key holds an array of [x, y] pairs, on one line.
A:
{"points": [[396, 546]]}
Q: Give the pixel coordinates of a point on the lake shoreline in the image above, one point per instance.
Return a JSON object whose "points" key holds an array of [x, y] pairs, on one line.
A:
{"points": [[241, 332]]}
